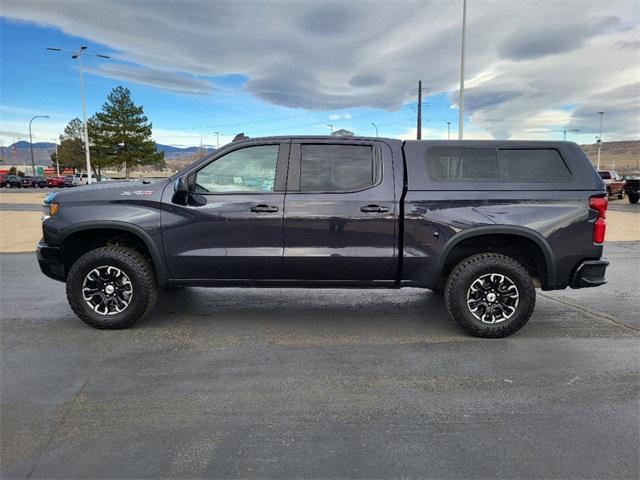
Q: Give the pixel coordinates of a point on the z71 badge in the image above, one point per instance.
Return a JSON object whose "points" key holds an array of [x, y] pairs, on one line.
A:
{"points": [[138, 192]]}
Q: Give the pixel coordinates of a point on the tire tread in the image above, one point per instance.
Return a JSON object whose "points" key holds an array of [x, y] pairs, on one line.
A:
{"points": [[136, 262], [452, 292]]}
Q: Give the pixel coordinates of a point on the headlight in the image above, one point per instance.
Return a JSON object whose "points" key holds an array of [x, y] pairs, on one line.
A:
{"points": [[49, 208]]}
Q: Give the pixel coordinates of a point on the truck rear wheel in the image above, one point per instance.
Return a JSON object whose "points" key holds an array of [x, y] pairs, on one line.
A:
{"points": [[634, 197], [490, 295], [111, 287]]}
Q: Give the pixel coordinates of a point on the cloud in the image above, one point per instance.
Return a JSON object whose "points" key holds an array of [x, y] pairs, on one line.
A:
{"points": [[161, 79], [340, 116], [536, 42], [367, 80], [525, 57]]}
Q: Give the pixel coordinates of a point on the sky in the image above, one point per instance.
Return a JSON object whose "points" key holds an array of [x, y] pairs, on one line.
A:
{"points": [[533, 68]]}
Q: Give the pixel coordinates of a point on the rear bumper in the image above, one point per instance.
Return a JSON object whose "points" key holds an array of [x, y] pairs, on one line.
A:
{"points": [[590, 273], [50, 260]]}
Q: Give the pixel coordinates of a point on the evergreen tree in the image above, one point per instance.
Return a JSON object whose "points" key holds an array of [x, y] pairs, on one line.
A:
{"points": [[71, 149], [121, 133], [102, 155]]}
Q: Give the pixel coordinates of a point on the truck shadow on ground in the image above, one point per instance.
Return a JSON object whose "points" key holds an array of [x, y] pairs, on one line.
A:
{"points": [[407, 310]]}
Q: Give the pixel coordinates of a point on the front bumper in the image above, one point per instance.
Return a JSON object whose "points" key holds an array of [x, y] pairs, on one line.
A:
{"points": [[50, 260], [590, 273]]}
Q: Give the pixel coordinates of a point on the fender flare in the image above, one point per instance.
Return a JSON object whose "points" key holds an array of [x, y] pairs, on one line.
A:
{"points": [[527, 233], [154, 251]]}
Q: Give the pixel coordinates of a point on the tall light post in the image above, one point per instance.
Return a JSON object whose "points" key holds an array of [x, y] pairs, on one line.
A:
{"points": [[600, 139], [448, 130], [77, 55], [330, 128], [376, 127], [33, 163], [461, 101], [217, 139]]}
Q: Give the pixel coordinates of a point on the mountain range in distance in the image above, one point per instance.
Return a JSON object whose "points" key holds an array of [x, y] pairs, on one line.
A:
{"points": [[19, 153]]}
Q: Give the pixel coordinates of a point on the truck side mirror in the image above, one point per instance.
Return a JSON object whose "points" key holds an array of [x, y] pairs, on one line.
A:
{"points": [[181, 191], [181, 185]]}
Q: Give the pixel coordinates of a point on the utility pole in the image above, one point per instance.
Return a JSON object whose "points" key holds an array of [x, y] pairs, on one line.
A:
{"points": [[217, 139], [376, 127], [419, 120], [461, 101], [600, 139], [33, 164], [77, 55], [448, 130]]}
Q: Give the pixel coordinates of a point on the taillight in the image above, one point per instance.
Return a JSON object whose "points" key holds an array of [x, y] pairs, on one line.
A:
{"points": [[599, 204]]}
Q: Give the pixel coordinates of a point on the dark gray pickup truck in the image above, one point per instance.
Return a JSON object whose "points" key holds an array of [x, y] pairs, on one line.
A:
{"points": [[484, 222]]}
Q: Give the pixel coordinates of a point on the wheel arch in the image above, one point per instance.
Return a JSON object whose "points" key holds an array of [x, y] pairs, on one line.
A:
{"points": [[504, 232], [134, 230]]}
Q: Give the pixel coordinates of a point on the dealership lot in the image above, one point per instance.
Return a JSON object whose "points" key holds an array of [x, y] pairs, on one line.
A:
{"points": [[319, 383]]}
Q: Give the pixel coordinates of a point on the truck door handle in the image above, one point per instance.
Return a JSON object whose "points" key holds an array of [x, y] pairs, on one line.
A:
{"points": [[262, 208], [373, 209]]}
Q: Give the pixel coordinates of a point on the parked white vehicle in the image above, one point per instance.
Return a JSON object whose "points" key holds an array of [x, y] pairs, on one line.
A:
{"points": [[80, 179]]}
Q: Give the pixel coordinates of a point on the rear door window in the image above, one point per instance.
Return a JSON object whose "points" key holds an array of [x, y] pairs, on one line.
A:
{"points": [[338, 168]]}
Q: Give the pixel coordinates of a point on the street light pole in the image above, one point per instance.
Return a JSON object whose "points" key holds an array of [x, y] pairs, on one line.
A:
{"points": [[330, 127], [77, 55], [376, 127], [448, 130], [600, 139], [217, 139], [461, 101], [33, 163], [87, 154]]}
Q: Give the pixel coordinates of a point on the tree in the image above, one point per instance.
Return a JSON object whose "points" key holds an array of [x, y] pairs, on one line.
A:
{"points": [[121, 133], [71, 149], [101, 154]]}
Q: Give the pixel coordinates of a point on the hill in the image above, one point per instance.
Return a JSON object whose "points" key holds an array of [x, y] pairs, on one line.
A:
{"points": [[624, 156]]}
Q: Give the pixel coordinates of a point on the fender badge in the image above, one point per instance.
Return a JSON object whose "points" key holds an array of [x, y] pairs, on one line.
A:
{"points": [[138, 192]]}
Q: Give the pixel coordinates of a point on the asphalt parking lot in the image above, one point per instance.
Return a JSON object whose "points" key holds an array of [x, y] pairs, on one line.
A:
{"points": [[319, 384]]}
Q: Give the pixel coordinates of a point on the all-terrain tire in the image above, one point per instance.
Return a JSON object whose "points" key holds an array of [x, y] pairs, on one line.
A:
{"points": [[621, 194], [473, 268], [138, 270], [634, 197]]}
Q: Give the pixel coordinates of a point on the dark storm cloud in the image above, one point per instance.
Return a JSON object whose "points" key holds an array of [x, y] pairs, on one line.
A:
{"points": [[367, 80], [555, 39]]}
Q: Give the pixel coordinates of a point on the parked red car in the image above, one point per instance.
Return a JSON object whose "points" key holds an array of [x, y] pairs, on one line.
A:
{"points": [[55, 182], [613, 182]]}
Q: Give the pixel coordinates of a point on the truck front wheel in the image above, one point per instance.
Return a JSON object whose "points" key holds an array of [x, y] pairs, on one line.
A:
{"points": [[490, 295], [111, 287]]}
